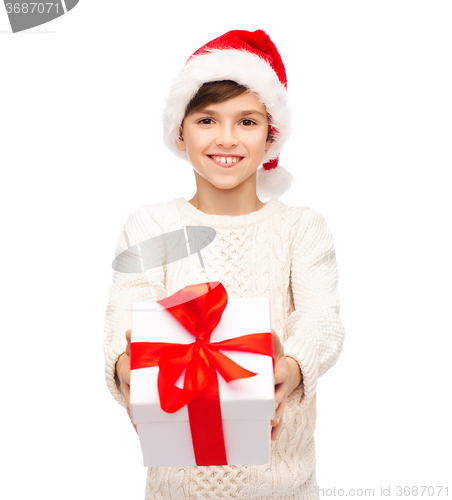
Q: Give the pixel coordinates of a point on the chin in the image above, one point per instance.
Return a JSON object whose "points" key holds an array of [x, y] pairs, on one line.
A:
{"points": [[225, 187]]}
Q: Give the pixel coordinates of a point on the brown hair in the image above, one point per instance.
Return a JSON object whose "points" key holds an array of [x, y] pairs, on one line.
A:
{"points": [[213, 92]]}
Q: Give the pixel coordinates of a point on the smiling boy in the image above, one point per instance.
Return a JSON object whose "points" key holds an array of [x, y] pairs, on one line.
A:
{"points": [[227, 115]]}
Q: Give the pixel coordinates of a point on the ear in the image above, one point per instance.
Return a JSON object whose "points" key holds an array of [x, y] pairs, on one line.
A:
{"points": [[270, 136], [269, 140], [180, 141]]}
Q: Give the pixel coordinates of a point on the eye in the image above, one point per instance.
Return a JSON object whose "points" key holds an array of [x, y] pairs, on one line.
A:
{"points": [[204, 120], [247, 123]]}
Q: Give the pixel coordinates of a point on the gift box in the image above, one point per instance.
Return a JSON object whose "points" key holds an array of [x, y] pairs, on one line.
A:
{"points": [[202, 379]]}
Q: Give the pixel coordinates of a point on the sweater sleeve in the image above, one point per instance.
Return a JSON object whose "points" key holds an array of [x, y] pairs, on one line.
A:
{"points": [[127, 288], [315, 332]]}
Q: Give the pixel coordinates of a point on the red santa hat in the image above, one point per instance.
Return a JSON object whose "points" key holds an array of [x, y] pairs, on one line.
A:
{"points": [[250, 59]]}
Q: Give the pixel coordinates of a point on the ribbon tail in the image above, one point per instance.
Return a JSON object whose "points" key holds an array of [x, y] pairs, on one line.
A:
{"points": [[206, 425], [227, 368], [171, 397]]}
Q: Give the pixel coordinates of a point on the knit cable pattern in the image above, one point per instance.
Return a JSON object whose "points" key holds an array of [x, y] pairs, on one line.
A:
{"points": [[280, 252]]}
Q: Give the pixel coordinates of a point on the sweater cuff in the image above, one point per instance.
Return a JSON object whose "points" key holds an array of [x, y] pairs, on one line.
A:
{"points": [[116, 349], [307, 358]]}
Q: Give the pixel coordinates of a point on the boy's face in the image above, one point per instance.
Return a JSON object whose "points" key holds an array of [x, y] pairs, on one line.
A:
{"points": [[226, 141]]}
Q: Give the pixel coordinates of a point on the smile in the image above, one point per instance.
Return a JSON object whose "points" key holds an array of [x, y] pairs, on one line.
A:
{"points": [[226, 161]]}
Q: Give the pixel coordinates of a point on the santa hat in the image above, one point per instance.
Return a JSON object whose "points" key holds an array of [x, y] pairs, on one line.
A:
{"points": [[250, 59]]}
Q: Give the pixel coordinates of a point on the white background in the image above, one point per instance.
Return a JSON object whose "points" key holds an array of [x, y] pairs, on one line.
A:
{"points": [[81, 148]]}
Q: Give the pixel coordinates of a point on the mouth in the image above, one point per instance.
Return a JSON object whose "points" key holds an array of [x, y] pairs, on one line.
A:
{"points": [[226, 161]]}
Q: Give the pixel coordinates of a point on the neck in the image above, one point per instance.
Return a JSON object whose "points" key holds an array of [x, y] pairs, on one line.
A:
{"points": [[241, 200]]}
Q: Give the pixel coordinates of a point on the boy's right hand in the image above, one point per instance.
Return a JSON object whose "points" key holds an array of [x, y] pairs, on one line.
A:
{"points": [[123, 374]]}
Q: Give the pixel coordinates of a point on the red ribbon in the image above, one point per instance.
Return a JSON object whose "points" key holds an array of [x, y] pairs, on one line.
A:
{"points": [[198, 308]]}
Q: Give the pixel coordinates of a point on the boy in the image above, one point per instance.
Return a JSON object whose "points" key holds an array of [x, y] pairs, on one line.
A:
{"points": [[226, 114]]}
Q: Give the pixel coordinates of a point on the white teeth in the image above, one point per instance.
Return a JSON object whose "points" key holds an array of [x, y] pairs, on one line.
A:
{"points": [[227, 159]]}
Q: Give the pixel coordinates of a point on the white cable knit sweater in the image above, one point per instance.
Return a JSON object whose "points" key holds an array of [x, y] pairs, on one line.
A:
{"points": [[284, 253]]}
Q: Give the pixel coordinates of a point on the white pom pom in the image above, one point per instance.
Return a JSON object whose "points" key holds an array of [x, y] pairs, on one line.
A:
{"points": [[273, 183]]}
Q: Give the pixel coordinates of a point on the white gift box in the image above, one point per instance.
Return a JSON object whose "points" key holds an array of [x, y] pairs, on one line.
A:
{"points": [[247, 405]]}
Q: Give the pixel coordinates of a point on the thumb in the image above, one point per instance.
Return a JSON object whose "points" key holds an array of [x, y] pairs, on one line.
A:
{"points": [[274, 337], [279, 349]]}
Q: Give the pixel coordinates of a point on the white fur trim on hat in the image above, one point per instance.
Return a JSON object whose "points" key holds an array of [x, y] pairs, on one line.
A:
{"points": [[273, 183], [241, 66]]}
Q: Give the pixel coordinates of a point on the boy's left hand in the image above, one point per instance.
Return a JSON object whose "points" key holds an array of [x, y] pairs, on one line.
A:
{"points": [[287, 378]]}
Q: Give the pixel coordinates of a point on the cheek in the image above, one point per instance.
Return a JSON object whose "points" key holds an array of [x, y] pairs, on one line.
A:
{"points": [[259, 144], [198, 142]]}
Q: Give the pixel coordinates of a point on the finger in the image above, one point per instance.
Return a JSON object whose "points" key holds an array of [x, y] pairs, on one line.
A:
{"points": [[281, 391], [275, 338], [125, 388], [118, 366], [280, 410], [277, 421], [128, 338], [275, 431], [282, 371], [278, 348], [130, 416], [123, 368], [280, 399]]}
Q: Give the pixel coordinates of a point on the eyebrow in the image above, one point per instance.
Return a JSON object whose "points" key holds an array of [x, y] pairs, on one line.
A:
{"points": [[242, 113]]}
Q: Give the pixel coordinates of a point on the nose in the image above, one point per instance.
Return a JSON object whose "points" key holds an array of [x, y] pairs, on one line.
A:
{"points": [[226, 137]]}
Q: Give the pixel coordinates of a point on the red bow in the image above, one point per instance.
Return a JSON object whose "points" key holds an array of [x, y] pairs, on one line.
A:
{"points": [[199, 311]]}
